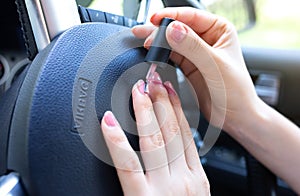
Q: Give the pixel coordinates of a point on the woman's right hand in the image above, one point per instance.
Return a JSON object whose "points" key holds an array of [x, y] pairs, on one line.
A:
{"points": [[206, 48]]}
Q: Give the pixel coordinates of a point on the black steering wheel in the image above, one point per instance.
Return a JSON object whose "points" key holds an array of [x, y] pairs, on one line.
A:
{"points": [[50, 135]]}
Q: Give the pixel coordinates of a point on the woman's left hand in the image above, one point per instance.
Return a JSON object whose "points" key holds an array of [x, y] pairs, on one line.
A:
{"points": [[168, 151]]}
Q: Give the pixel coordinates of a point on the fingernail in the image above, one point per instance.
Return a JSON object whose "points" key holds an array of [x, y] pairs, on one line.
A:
{"points": [[155, 78], [141, 86], [109, 119], [178, 32], [152, 17], [170, 88], [147, 43]]}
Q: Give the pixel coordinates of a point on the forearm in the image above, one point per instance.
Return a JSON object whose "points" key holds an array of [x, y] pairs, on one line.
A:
{"points": [[264, 132], [273, 140]]}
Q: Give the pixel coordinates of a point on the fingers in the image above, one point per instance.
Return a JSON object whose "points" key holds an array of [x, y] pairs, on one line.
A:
{"points": [[127, 164], [191, 154], [168, 124], [193, 38], [186, 42], [213, 64], [165, 137], [209, 26], [145, 32], [152, 145], [198, 36], [201, 21], [149, 39], [142, 31]]}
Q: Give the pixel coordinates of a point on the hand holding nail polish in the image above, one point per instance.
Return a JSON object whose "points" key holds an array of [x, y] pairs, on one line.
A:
{"points": [[206, 48], [159, 50]]}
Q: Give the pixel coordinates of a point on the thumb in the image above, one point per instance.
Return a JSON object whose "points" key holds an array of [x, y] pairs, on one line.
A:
{"points": [[186, 42], [207, 60]]}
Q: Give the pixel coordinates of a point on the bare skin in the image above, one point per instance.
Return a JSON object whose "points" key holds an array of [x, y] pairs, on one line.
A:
{"points": [[268, 135], [206, 48], [167, 148]]}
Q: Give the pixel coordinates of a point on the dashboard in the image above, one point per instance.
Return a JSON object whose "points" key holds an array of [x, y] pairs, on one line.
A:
{"points": [[226, 160], [12, 47]]}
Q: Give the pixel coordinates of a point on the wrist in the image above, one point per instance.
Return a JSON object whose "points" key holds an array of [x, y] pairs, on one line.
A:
{"points": [[258, 113]]}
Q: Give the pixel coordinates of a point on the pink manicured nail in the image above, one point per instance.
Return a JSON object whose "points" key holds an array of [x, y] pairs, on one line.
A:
{"points": [[155, 78], [170, 88], [109, 119], [152, 17], [141, 86], [178, 32], [147, 43]]}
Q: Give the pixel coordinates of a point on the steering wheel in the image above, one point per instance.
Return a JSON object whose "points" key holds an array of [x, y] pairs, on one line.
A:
{"points": [[51, 139]]}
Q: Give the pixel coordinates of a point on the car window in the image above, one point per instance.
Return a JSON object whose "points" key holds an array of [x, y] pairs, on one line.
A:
{"points": [[115, 7], [277, 23], [141, 10]]}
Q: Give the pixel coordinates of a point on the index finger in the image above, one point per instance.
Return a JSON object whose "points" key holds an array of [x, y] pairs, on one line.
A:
{"points": [[199, 20]]}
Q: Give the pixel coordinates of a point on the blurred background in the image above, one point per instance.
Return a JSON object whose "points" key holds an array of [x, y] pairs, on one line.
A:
{"points": [[269, 23]]}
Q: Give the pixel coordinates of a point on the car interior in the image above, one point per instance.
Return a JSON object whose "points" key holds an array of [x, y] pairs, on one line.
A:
{"points": [[64, 63]]}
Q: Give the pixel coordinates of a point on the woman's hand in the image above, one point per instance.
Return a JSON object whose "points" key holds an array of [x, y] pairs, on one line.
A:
{"points": [[168, 151], [206, 48]]}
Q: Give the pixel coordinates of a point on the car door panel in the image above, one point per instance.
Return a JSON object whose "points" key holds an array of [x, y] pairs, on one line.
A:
{"points": [[285, 65]]}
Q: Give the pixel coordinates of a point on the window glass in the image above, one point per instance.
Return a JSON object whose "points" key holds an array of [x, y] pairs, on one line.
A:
{"points": [[277, 24], [111, 6], [277, 21], [140, 10]]}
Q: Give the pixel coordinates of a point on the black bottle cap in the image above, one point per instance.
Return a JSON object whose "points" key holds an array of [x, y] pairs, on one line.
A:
{"points": [[159, 50]]}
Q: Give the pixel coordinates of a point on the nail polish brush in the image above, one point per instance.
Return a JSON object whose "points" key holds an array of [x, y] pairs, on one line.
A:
{"points": [[159, 51]]}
